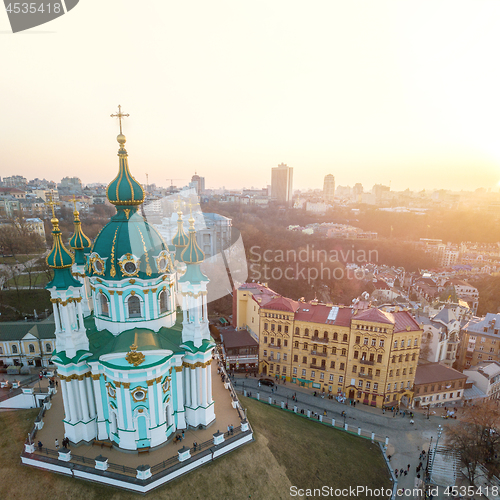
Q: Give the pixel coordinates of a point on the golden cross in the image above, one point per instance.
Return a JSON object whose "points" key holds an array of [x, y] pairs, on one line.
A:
{"points": [[74, 202], [179, 203], [51, 203], [119, 115]]}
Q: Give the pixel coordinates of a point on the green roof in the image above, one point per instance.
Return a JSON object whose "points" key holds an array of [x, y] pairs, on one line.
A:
{"points": [[59, 257], [192, 254], [63, 279], [193, 274], [16, 330]]}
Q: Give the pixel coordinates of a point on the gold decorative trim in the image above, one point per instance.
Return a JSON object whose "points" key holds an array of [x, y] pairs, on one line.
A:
{"points": [[146, 291], [133, 357], [125, 259], [127, 212], [135, 391], [149, 271], [132, 281], [195, 295], [168, 266], [112, 271], [166, 384], [154, 290], [111, 292], [158, 379], [93, 262], [119, 293], [118, 384], [150, 382], [132, 292], [81, 377], [126, 385], [99, 280], [178, 369], [96, 376]]}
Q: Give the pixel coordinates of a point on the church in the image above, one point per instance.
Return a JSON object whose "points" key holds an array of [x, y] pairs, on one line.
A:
{"points": [[133, 346]]}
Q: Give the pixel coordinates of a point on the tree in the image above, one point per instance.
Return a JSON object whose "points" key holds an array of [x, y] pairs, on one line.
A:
{"points": [[477, 438]]}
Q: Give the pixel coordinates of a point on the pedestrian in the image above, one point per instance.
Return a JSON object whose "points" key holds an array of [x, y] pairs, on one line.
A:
{"points": [[57, 444], [57, 383], [182, 434], [389, 457], [40, 446], [408, 467], [401, 471], [405, 472], [259, 383]]}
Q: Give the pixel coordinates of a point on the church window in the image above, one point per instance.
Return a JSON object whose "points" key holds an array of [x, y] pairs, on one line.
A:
{"points": [[164, 302], [31, 348], [104, 305], [134, 307]]}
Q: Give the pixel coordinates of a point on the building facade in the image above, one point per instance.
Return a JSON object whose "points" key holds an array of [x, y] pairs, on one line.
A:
{"points": [[282, 184]]}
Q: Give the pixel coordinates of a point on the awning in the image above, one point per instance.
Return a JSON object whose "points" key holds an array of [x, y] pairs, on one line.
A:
{"points": [[304, 381]]}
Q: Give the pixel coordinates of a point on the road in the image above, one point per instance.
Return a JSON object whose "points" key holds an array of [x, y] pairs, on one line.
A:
{"points": [[406, 440]]}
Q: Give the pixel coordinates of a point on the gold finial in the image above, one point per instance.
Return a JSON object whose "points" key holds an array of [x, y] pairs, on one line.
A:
{"points": [[51, 203], [74, 200], [120, 115]]}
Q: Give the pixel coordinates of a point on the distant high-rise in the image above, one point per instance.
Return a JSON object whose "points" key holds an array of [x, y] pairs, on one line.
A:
{"points": [[198, 183], [329, 187], [281, 184]]}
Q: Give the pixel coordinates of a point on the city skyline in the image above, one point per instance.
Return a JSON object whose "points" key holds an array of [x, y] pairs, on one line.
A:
{"points": [[397, 94]]}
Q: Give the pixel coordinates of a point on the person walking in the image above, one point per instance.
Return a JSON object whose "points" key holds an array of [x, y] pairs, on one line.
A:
{"points": [[40, 446], [57, 444]]}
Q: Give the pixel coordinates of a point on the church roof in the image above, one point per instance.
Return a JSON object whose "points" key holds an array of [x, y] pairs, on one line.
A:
{"points": [[79, 240]]}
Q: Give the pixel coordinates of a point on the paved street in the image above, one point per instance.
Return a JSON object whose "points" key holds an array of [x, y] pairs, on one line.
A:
{"points": [[406, 440]]}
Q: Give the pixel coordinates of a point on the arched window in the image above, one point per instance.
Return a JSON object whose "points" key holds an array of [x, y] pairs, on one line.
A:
{"points": [[306, 332], [297, 331], [1, 350], [344, 338], [103, 300], [134, 307], [48, 348], [325, 335], [14, 349], [31, 348], [164, 302]]}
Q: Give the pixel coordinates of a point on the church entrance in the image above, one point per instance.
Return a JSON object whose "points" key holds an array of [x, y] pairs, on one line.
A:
{"points": [[143, 441]]}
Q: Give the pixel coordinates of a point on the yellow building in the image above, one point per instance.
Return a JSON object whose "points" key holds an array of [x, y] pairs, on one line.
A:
{"points": [[369, 356]]}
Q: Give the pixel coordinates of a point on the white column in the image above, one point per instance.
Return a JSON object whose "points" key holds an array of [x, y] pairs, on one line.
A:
{"points": [[159, 398], [57, 317], [147, 308], [151, 399], [83, 400], [80, 315], [67, 409], [73, 390], [98, 398], [128, 406], [209, 383], [119, 400], [169, 414], [187, 386], [181, 419], [205, 313], [194, 393], [199, 386], [204, 387], [154, 297], [90, 396], [65, 317]]}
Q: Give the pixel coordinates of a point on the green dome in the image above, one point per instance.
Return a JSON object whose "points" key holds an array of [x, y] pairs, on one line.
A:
{"points": [[79, 241], [126, 235], [181, 238], [124, 189], [59, 257], [192, 254]]}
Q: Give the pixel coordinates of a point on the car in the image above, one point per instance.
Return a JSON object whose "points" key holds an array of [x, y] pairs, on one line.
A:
{"points": [[266, 381]]}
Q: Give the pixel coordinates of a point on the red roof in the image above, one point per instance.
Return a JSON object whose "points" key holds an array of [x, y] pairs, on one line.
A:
{"points": [[435, 372], [375, 315], [403, 320], [282, 304]]}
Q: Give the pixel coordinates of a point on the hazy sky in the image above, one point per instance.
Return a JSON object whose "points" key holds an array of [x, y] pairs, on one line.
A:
{"points": [[373, 92]]}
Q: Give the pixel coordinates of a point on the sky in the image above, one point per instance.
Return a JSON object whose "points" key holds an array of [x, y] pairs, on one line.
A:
{"points": [[404, 94]]}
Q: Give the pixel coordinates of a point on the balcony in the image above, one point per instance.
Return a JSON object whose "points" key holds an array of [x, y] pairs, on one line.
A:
{"points": [[274, 346], [320, 340], [366, 362], [317, 353], [365, 375], [316, 367]]}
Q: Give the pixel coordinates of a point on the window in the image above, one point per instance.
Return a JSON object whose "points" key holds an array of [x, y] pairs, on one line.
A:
{"points": [[164, 302], [304, 373], [388, 387], [297, 331], [322, 376], [358, 339], [356, 354], [265, 352], [368, 385], [313, 361], [374, 342], [286, 328], [134, 307], [279, 328], [411, 370], [295, 359], [397, 373], [304, 359], [344, 352], [394, 359], [365, 340], [324, 350], [285, 342], [372, 358], [390, 373], [334, 350], [341, 379], [325, 335], [381, 343], [266, 326], [273, 326], [306, 332], [409, 343], [404, 371], [341, 366], [403, 385], [285, 357], [407, 357], [360, 383], [296, 345], [295, 371], [395, 344], [332, 364], [413, 356], [316, 333], [375, 386], [416, 342], [305, 346], [103, 301], [271, 367], [379, 358], [402, 342], [31, 348], [400, 358], [284, 369], [14, 349], [354, 368], [265, 339], [331, 377], [344, 338], [377, 373]]}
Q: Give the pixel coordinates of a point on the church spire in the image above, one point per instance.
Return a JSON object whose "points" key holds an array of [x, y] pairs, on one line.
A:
{"points": [[180, 240], [124, 190], [79, 242], [192, 254]]}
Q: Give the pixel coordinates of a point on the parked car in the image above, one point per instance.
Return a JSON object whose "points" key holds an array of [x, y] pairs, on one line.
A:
{"points": [[266, 381]]}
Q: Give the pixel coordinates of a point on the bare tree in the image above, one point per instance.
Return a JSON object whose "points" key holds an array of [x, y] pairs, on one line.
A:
{"points": [[477, 438]]}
